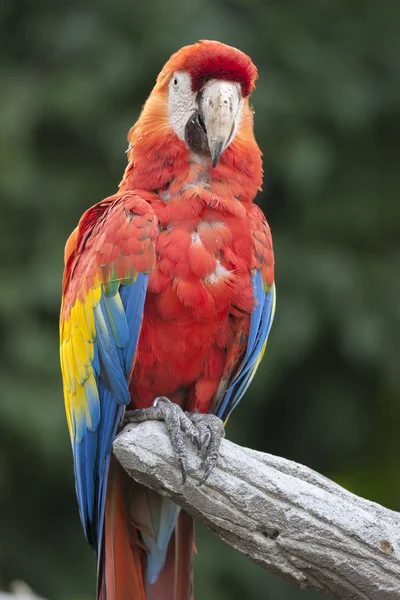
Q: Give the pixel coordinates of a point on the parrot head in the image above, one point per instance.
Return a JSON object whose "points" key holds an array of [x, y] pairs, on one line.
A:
{"points": [[206, 85], [200, 100]]}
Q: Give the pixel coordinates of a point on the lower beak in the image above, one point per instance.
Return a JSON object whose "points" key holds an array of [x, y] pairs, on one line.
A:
{"points": [[220, 111]]}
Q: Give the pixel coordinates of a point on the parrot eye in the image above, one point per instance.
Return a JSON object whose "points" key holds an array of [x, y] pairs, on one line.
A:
{"points": [[175, 82]]}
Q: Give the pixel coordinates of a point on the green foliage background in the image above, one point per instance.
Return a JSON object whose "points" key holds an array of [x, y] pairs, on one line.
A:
{"points": [[73, 78]]}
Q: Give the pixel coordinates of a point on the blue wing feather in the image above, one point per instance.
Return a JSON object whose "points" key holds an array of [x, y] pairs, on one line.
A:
{"points": [[133, 304], [111, 368], [118, 321], [260, 325]]}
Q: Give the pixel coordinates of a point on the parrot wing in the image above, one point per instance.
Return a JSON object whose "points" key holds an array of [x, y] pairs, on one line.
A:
{"points": [[247, 351], [107, 262]]}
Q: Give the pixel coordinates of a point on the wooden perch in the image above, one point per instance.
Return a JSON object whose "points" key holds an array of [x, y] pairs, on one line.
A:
{"points": [[287, 518]]}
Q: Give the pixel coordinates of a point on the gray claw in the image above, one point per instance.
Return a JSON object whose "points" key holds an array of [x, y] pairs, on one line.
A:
{"points": [[177, 424], [211, 431], [206, 431]]}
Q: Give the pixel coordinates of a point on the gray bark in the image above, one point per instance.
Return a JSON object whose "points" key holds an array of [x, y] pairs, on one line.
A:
{"points": [[287, 518]]}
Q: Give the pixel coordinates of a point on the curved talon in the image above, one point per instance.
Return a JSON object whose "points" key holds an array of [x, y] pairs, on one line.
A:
{"points": [[177, 423], [211, 431], [161, 399], [204, 443], [204, 430]]}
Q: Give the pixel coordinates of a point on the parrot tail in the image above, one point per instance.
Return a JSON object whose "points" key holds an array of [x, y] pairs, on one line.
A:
{"points": [[147, 544], [120, 570]]}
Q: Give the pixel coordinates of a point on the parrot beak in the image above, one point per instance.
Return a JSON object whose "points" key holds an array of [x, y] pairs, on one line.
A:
{"points": [[220, 111]]}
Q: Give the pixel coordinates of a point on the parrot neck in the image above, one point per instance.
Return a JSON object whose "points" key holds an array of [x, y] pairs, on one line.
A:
{"points": [[164, 165]]}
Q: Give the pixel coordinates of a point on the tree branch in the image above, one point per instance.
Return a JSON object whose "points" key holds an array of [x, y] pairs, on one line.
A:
{"points": [[285, 517]]}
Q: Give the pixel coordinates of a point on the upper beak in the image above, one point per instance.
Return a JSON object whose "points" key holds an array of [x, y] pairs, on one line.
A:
{"points": [[220, 106]]}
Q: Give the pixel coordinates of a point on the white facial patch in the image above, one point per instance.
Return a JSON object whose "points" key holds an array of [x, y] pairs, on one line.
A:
{"points": [[181, 102]]}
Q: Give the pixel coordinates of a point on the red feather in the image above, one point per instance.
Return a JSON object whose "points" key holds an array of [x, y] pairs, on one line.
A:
{"points": [[120, 574], [213, 60]]}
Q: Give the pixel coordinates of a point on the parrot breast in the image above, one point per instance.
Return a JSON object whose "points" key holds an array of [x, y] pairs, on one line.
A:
{"points": [[198, 292]]}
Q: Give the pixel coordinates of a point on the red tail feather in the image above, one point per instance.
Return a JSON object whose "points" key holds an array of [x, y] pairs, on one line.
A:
{"points": [[120, 574], [122, 566], [176, 579]]}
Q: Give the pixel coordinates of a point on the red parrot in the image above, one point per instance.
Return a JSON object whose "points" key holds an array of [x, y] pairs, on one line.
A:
{"points": [[168, 300]]}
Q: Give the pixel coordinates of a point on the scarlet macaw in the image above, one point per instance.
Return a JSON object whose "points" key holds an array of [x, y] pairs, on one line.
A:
{"points": [[168, 293]]}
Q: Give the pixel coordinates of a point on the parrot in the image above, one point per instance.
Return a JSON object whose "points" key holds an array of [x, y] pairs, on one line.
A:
{"points": [[168, 298]]}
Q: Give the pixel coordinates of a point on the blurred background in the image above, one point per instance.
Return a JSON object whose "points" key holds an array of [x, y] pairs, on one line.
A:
{"points": [[73, 78]]}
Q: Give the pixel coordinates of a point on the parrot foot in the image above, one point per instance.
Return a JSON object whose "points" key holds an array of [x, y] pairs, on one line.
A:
{"points": [[204, 430], [177, 423], [211, 433]]}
